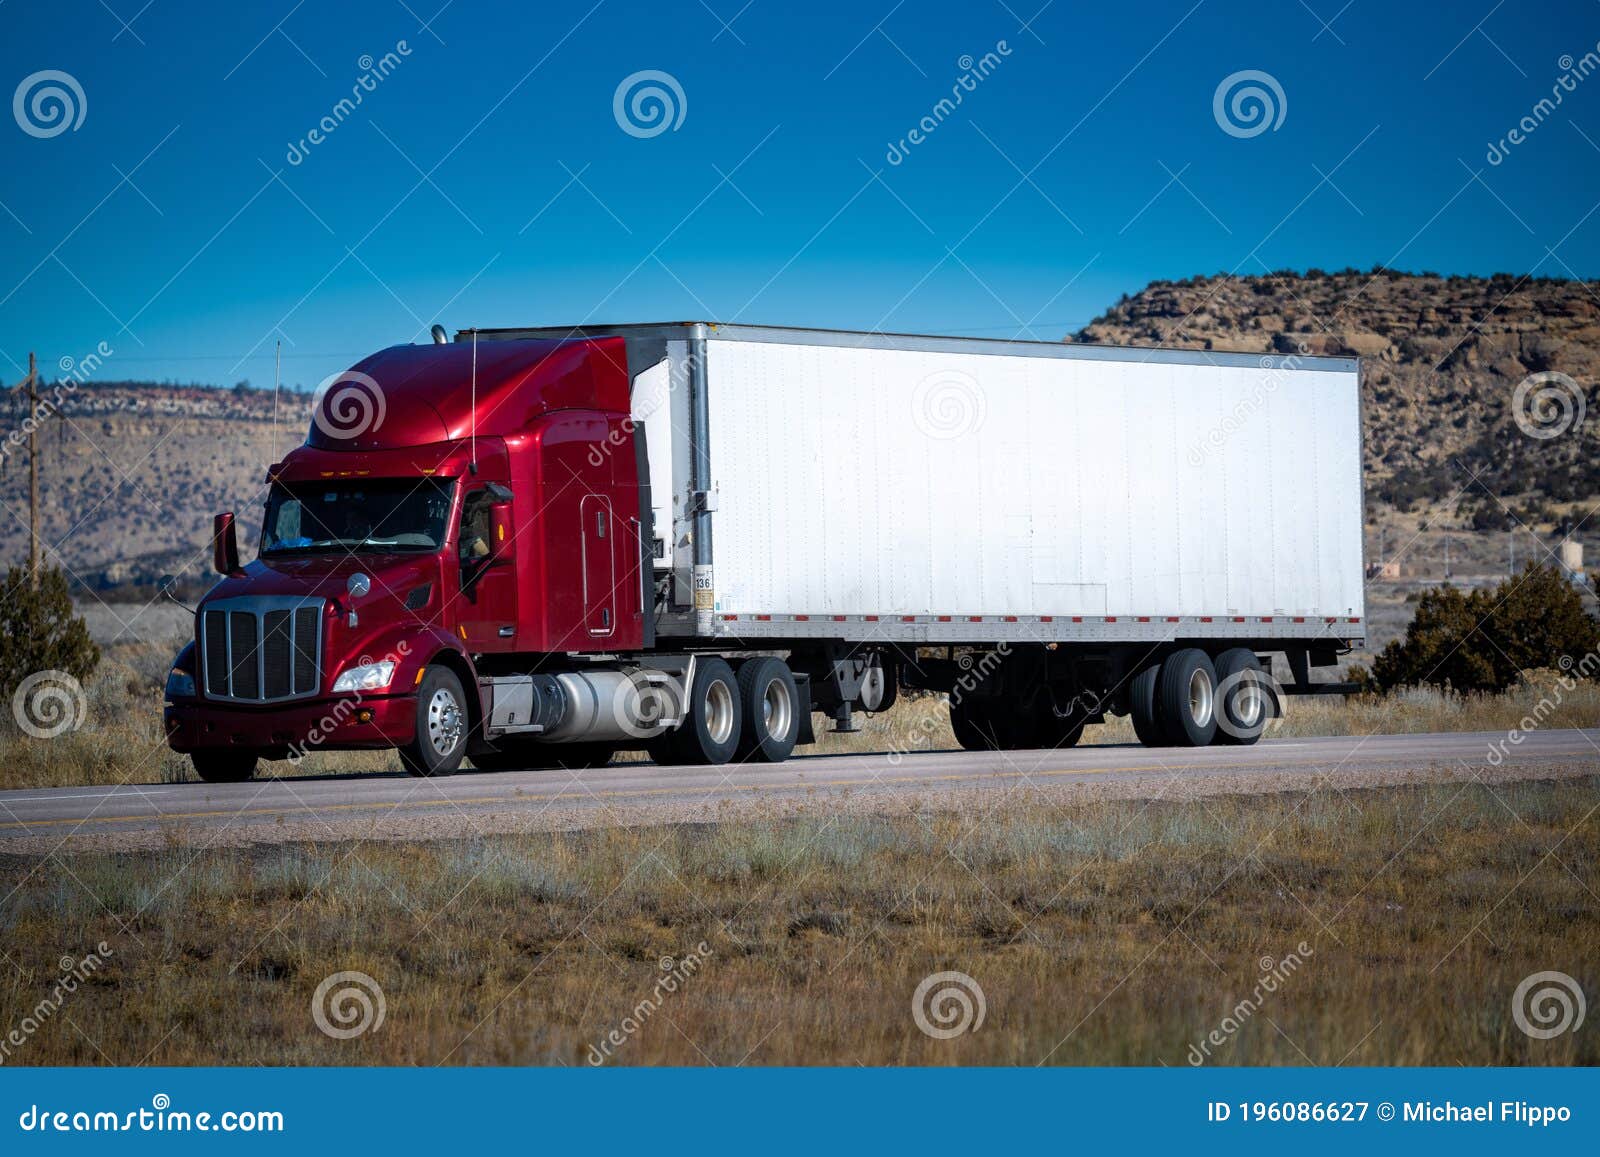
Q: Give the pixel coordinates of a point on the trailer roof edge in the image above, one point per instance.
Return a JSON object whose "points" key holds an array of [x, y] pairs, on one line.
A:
{"points": [[864, 339]]}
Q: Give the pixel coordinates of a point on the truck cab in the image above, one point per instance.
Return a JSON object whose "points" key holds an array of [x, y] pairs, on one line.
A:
{"points": [[447, 518]]}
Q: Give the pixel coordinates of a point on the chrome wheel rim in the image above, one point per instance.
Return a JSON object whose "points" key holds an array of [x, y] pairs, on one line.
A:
{"points": [[719, 712], [777, 709], [1248, 702], [1200, 697], [444, 721]]}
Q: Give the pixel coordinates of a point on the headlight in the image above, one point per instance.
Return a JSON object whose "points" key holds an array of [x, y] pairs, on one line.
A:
{"points": [[367, 677], [180, 684]]}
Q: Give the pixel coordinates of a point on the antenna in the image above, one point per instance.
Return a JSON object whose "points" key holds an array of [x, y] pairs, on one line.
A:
{"points": [[277, 377], [472, 465]]}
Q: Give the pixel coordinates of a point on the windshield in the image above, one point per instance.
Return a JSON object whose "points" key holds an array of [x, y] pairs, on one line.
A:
{"points": [[382, 514]]}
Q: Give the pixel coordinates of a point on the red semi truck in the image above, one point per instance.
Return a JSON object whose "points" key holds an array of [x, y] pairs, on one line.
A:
{"points": [[500, 548]]}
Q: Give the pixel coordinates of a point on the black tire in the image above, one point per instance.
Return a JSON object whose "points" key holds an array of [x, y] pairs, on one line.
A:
{"points": [[993, 725], [443, 721], [1142, 705], [964, 719], [224, 766], [515, 756], [711, 728], [1244, 700], [1052, 730], [1186, 697], [770, 706]]}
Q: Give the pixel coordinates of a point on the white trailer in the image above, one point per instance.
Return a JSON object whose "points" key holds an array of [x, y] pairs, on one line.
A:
{"points": [[1104, 528]]}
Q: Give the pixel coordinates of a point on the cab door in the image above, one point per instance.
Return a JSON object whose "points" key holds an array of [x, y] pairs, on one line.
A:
{"points": [[599, 566], [486, 615]]}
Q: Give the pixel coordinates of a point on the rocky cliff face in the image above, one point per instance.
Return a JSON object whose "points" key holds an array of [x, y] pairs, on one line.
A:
{"points": [[130, 474]]}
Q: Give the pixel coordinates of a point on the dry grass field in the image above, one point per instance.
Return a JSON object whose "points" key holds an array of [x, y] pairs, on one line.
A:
{"points": [[1118, 932]]}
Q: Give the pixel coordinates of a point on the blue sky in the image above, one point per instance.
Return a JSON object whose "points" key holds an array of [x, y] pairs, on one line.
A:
{"points": [[486, 180]]}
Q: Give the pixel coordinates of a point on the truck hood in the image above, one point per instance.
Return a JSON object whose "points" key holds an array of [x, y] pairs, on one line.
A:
{"points": [[393, 577]]}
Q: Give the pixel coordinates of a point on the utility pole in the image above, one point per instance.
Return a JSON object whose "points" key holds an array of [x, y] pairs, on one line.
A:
{"points": [[33, 474], [1447, 555]]}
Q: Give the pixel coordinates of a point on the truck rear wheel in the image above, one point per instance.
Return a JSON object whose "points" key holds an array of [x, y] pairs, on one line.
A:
{"points": [[770, 703], [1243, 699], [224, 766], [442, 721], [1186, 698], [709, 733]]}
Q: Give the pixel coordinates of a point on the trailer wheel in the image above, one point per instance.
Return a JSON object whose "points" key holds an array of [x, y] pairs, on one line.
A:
{"points": [[442, 721], [1244, 701], [964, 724], [709, 733], [985, 725], [1052, 730], [1142, 705], [1186, 698], [224, 766], [770, 705]]}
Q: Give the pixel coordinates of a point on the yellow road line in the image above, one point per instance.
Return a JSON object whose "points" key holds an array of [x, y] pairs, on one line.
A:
{"points": [[634, 793]]}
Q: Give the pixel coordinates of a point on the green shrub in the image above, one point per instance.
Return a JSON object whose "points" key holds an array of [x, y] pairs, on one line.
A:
{"points": [[40, 631], [1479, 640]]}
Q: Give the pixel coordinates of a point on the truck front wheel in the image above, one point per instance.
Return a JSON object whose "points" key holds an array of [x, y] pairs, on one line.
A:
{"points": [[442, 722], [224, 766]]}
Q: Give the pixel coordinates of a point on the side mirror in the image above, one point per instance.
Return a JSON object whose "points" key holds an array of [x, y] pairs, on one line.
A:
{"points": [[224, 544], [502, 545]]}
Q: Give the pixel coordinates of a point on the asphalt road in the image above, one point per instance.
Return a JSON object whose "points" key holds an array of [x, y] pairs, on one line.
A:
{"points": [[400, 806]]}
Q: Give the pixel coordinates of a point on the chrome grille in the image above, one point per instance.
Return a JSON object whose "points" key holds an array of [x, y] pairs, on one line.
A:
{"points": [[261, 649]]}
